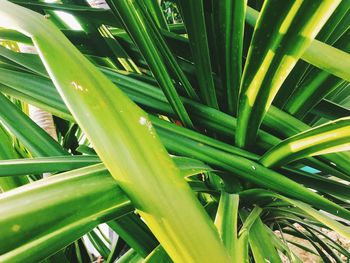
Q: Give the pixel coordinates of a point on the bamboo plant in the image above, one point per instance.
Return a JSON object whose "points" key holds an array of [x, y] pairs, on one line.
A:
{"points": [[223, 137]]}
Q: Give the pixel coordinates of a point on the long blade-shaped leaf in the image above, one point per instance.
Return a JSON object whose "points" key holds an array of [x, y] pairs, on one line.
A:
{"points": [[158, 255], [39, 142], [250, 171], [255, 194], [286, 125], [193, 15], [226, 221], [130, 257], [153, 48], [8, 152], [33, 85], [154, 8], [230, 22], [45, 165], [330, 110], [319, 183], [101, 247], [309, 53], [330, 59], [287, 34], [331, 137], [91, 197], [317, 86], [135, 233], [8, 34], [134, 155], [243, 235], [26, 60], [302, 69], [261, 244]]}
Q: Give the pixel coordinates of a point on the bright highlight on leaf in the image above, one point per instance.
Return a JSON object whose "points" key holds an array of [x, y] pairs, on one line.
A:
{"points": [[69, 20], [328, 138]]}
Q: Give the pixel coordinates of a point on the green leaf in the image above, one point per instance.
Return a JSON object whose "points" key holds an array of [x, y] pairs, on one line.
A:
{"points": [[230, 17], [303, 69], [287, 34], [336, 25], [8, 152], [311, 92], [123, 59], [130, 257], [319, 183], [330, 110], [28, 132], [286, 125], [333, 60], [153, 48], [29, 61], [282, 246], [81, 11], [135, 233], [38, 88], [331, 137], [134, 155], [13, 35], [261, 244], [96, 241], [112, 257], [250, 171], [189, 167], [59, 219], [319, 216], [252, 17], [199, 138], [157, 13], [193, 15], [248, 219], [226, 221], [158, 255], [324, 257], [45, 165]]}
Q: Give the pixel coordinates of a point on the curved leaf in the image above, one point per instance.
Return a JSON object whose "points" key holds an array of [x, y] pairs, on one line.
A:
{"points": [[286, 34], [59, 219], [319, 216], [134, 155], [331, 137]]}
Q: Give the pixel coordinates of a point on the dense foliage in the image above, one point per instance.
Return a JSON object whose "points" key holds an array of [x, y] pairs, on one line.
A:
{"points": [[199, 131]]}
